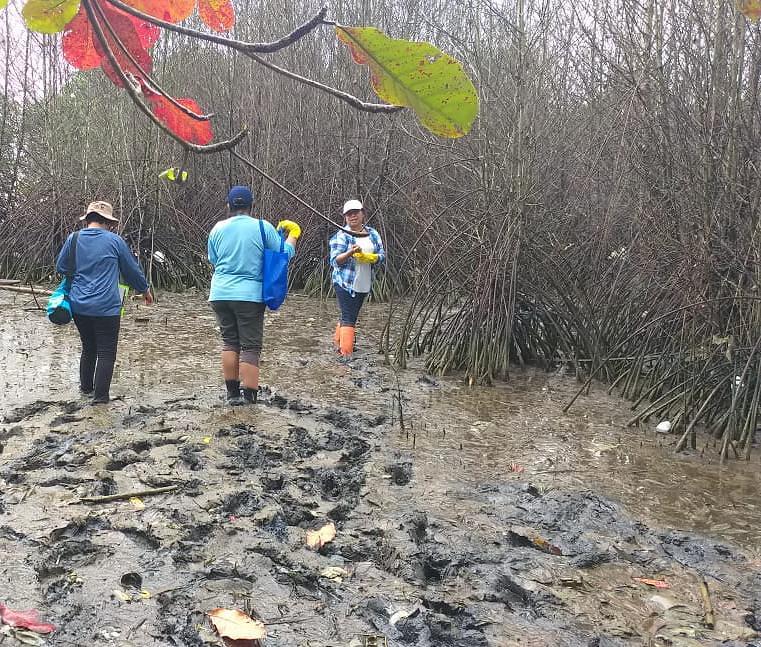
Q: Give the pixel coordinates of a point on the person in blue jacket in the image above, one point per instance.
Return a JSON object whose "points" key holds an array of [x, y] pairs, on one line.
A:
{"points": [[236, 250], [101, 256]]}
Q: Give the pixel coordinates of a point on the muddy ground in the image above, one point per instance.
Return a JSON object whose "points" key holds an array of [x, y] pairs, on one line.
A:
{"points": [[491, 518]]}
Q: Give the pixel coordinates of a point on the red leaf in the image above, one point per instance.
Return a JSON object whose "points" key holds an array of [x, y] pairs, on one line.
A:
{"points": [[181, 124], [169, 10], [78, 43], [217, 14], [25, 620], [136, 36]]}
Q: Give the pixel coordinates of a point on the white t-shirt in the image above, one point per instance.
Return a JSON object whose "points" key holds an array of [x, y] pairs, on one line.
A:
{"points": [[363, 277]]}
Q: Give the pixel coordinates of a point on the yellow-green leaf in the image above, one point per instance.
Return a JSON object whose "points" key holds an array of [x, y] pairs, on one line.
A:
{"points": [[3, 4], [416, 75], [751, 9], [49, 16]]}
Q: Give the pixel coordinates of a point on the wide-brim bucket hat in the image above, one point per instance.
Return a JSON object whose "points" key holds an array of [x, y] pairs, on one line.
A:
{"points": [[102, 208]]}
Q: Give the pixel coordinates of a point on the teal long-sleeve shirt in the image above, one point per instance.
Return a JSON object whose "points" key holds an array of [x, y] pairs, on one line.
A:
{"points": [[236, 250], [101, 257]]}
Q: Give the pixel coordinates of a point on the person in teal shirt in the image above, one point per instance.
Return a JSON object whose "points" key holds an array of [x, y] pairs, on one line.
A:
{"points": [[236, 250]]}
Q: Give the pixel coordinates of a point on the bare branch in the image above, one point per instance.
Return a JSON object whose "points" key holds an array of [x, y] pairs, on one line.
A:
{"points": [[340, 94], [231, 43], [252, 49]]}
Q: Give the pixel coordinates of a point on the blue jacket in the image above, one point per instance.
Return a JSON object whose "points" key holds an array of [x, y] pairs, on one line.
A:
{"points": [[236, 250], [101, 257]]}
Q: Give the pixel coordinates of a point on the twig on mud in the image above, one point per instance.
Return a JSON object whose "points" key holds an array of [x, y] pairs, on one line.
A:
{"points": [[125, 495], [135, 628], [288, 621], [708, 616]]}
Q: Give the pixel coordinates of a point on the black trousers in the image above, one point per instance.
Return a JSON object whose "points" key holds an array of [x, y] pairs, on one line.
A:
{"points": [[100, 336]]}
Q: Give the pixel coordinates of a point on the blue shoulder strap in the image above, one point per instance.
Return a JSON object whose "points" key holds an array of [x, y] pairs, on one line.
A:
{"points": [[264, 237]]}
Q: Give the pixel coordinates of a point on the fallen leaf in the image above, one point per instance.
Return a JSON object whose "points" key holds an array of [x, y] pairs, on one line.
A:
{"points": [[121, 595], [334, 573], [137, 502], [658, 584], [522, 536], [29, 619], [231, 623], [403, 615], [316, 539], [206, 440]]}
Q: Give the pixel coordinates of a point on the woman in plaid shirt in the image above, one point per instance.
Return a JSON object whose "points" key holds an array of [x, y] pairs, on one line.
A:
{"points": [[353, 260]]}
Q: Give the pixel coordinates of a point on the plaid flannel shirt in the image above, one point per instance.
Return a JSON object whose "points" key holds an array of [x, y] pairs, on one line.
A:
{"points": [[343, 275]]}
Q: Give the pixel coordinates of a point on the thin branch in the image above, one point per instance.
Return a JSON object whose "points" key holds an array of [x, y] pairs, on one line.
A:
{"points": [[266, 176], [252, 49], [138, 100], [146, 77], [340, 94], [232, 43], [126, 495]]}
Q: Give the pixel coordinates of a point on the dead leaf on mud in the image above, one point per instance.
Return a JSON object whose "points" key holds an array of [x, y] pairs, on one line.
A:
{"points": [[29, 619], [522, 536], [335, 573], [316, 539], [658, 584], [403, 615], [234, 624], [137, 503]]}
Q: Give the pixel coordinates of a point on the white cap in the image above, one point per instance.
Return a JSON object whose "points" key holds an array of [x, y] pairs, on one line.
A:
{"points": [[352, 205]]}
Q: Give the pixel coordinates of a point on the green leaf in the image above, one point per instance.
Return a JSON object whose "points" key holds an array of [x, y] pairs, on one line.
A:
{"points": [[49, 16], [3, 4], [418, 76]]}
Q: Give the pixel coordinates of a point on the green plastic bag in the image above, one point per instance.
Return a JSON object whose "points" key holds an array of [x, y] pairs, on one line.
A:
{"points": [[123, 292]]}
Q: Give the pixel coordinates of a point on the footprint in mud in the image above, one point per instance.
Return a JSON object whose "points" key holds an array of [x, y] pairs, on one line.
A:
{"points": [[240, 504], [192, 456], [28, 411], [48, 452], [435, 623]]}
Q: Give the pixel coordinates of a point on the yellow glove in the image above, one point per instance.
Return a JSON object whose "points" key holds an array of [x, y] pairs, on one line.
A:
{"points": [[367, 258], [172, 174], [294, 231]]}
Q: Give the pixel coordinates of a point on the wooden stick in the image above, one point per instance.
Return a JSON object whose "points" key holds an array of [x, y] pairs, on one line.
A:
{"points": [[25, 289], [708, 616], [126, 495], [9, 281]]}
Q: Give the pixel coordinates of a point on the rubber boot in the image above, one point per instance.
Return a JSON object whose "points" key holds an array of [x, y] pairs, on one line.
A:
{"points": [[347, 340], [250, 395], [337, 337], [233, 393]]}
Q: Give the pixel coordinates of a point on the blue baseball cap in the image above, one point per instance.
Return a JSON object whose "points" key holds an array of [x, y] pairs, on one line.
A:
{"points": [[240, 197]]}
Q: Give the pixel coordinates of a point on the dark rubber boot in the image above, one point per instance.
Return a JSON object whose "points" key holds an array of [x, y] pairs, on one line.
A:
{"points": [[233, 393], [250, 395]]}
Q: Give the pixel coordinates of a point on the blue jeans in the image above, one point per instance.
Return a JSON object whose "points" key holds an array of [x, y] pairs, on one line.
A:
{"points": [[349, 305]]}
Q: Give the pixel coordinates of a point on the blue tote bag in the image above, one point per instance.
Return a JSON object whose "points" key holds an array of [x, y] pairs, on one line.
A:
{"points": [[58, 306], [274, 273]]}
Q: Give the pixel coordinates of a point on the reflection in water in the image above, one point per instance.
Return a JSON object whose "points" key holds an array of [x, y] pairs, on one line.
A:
{"points": [[459, 435]]}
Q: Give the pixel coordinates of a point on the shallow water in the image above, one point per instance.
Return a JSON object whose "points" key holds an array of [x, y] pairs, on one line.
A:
{"points": [[471, 453], [460, 434]]}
